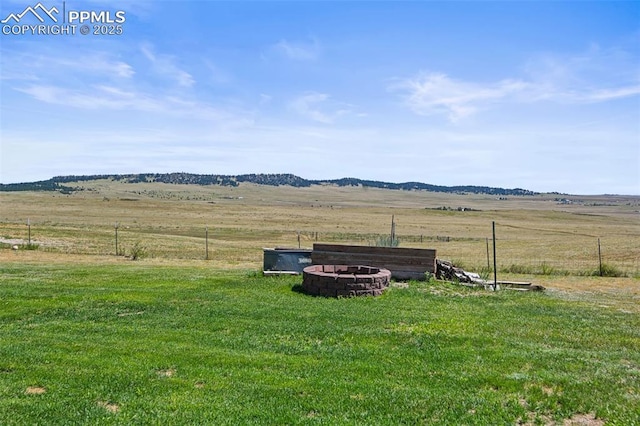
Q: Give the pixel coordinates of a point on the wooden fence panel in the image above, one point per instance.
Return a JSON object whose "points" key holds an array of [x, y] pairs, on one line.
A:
{"points": [[404, 263]]}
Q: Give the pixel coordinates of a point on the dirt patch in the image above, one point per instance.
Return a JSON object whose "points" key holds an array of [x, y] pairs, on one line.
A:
{"points": [[126, 314], [583, 420], [400, 285], [35, 390], [588, 419], [109, 406], [312, 414], [166, 373]]}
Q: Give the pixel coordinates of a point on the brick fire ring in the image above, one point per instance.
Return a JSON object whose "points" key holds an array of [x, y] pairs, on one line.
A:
{"points": [[344, 280]]}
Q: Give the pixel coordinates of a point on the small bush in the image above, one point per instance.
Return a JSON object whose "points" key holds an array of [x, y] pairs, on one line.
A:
{"points": [[29, 246], [542, 269], [386, 241], [608, 270], [460, 264], [486, 273], [517, 269], [137, 251], [546, 269]]}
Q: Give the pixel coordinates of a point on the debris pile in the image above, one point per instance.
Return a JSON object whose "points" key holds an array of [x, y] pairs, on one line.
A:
{"points": [[447, 271]]}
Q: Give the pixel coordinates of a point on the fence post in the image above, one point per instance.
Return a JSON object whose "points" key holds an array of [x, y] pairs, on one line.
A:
{"points": [[495, 268], [116, 228], [488, 264], [206, 243], [599, 258], [393, 231], [29, 228]]}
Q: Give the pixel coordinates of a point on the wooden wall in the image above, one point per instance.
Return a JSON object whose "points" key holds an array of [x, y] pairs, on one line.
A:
{"points": [[404, 263]]}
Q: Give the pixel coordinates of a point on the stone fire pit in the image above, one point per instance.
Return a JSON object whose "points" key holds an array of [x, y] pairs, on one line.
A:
{"points": [[345, 280]]}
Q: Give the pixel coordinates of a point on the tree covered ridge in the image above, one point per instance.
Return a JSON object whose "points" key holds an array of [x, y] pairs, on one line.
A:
{"points": [[61, 183]]}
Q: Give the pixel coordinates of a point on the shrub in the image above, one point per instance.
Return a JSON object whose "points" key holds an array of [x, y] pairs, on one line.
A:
{"points": [[137, 251], [546, 269], [386, 241], [607, 270], [517, 269], [486, 273]]}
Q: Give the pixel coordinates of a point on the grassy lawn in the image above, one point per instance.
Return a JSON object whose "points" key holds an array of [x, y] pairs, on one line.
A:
{"points": [[141, 343]]}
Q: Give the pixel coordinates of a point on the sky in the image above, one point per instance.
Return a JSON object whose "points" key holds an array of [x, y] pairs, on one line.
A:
{"points": [[540, 95]]}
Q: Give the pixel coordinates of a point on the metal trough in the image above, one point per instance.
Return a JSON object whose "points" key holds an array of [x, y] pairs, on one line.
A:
{"points": [[285, 260]]}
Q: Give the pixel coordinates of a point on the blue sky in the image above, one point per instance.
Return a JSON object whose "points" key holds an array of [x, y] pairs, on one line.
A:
{"points": [[537, 95]]}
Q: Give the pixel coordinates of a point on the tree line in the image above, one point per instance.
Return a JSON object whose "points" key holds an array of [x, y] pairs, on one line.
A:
{"points": [[61, 183]]}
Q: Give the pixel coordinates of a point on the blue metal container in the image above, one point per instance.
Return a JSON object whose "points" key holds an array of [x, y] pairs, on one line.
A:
{"points": [[286, 260]]}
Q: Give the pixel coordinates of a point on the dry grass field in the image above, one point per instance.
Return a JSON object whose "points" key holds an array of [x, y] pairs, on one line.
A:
{"points": [[549, 235]]}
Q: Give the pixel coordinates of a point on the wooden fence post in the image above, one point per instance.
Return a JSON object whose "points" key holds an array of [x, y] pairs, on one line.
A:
{"points": [[495, 267], [488, 264], [116, 229], [206, 243], [599, 258]]}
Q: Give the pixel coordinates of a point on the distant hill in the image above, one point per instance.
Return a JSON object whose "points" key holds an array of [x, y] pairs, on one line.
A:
{"points": [[61, 183]]}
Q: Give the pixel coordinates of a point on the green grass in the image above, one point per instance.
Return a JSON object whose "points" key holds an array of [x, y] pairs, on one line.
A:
{"points": [[137, 344]]}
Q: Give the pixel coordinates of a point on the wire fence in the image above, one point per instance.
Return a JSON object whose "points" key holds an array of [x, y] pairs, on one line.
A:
{"points": [[546, 253]]}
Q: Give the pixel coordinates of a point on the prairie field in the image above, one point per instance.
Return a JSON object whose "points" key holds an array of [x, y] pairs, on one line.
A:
{"points": [[548, 239], [90, 336], [537, 234]]}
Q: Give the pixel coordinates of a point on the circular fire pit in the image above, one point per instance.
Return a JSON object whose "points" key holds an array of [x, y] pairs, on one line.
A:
{"points": [[345, 280]]}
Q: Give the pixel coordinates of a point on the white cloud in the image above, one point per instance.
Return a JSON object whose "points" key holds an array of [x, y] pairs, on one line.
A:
{"points": [[113, 98], [320, 107], [603, 95], [165, 65], [437, 93], [308, 106], [99, 97], [596, 75], [216, 74], [95, 80], [43, 65], [265, 99], [299, 51], [593, 76]]}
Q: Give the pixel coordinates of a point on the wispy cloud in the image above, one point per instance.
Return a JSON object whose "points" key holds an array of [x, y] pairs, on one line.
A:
{"points": [[165, 65], [597, 75], [44, 65], [101, 80], [319, 107], [611, 94], [308, 106], [437, 93], [298, 51], [97, 97], [114, 98]]}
